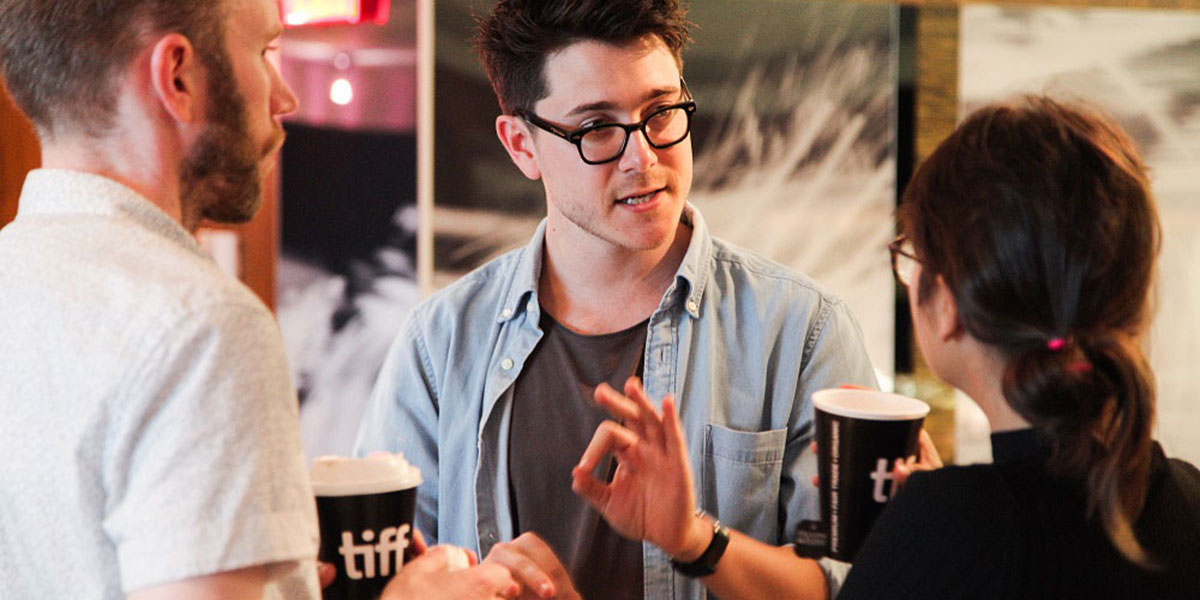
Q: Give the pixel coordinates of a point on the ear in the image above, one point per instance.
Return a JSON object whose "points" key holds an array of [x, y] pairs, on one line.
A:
{"points": [[176, 78], [518, 141], [945, 312]]}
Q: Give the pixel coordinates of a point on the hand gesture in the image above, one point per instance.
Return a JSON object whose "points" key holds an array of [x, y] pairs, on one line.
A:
{"points": [[432, 577], [650, 496], [534, 566]]}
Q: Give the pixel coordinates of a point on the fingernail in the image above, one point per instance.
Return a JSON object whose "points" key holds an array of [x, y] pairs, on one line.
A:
{"points": [[546, 589]]}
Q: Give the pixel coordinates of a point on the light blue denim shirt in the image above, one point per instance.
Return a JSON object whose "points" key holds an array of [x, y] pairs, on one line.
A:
{"points": [[741, 342]]}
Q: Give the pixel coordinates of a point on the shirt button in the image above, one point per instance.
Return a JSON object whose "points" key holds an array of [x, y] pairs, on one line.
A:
{"points": [[506, 364], [506, 313], [693, 306]]}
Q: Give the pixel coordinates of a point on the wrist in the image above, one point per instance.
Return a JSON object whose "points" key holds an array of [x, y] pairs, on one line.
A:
{"points": [[699, 535]]}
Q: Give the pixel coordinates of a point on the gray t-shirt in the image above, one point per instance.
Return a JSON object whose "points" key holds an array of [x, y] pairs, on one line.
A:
{"points": [[553, 420]]}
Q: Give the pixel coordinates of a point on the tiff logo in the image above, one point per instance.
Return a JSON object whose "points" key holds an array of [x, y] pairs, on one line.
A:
{"points": [[389, 550], [882, 475]]}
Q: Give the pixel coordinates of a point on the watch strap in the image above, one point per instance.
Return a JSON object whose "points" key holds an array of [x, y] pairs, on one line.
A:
{"points": [[706, 564]]}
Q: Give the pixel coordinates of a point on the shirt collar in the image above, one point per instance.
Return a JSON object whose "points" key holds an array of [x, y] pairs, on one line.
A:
{"points": [[690, 277], [64, 192], [1019, 444]]}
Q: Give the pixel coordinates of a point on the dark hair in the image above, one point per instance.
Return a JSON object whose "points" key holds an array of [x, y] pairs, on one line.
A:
{"points": [[515, 39], [62, 59], [1040, 220]]}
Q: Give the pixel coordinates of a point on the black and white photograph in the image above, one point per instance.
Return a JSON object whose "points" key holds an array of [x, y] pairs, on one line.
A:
{"points": [[347, 271]]}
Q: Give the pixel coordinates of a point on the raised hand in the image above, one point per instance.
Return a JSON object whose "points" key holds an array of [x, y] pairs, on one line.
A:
{"points": [[650, 496]]}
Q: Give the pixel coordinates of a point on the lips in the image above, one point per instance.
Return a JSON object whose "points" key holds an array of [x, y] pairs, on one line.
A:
{"points": [[638, 198]]}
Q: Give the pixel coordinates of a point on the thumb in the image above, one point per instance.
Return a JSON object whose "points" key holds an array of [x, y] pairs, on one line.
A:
{"points": [[434, 560]]}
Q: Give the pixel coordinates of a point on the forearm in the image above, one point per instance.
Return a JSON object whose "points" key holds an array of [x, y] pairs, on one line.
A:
{"points": [[750, 569]]}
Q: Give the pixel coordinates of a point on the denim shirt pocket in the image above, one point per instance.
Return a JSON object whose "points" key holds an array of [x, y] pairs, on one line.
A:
{"points": [[741, 479]]}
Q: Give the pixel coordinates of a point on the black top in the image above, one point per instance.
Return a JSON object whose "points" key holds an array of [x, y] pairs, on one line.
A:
{"points": [[1012, 530], [553, 419]]}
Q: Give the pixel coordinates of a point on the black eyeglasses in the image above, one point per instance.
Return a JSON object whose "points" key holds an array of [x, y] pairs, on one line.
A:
{"points": [[904, 264], [605, 142]]}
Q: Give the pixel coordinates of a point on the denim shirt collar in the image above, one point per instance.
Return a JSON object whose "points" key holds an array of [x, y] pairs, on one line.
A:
{"points": [[690, 277]]}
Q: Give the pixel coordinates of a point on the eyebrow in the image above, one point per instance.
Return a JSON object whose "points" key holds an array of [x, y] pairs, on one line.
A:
{"points": [[607, 105]]}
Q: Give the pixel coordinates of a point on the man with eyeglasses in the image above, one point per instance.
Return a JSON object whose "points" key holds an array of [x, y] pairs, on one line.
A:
{"points": [[489, 387]]}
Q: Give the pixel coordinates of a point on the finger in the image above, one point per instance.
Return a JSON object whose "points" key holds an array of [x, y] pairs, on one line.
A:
{"points": [[433, 560], [672, 429], [523, 568], [620, 407], [537, 549], [900, 472], [816, 481], [609, 437], [418, 545], [928, 451], [851, 386], [649, 415], [326, 573], [589, 488], [813, 447], [492, 580]]}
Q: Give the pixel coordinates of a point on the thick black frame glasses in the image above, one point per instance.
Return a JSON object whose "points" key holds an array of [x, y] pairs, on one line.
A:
{"points": [[902, 262], [576, 137]]}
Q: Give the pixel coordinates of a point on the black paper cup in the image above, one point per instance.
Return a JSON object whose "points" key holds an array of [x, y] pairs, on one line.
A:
{"points": [[860, 434], [365, 509]]}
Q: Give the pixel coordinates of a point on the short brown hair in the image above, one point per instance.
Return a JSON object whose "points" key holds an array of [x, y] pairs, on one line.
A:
{"points": [[515, 39], [62, 59]]}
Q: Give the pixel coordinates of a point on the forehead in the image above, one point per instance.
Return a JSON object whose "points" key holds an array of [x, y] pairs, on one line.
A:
{"points": [[590, 71], [253, 19]]}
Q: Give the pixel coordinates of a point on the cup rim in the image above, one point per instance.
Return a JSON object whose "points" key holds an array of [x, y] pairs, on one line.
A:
{"points": [[871, 405], [377, 474]]}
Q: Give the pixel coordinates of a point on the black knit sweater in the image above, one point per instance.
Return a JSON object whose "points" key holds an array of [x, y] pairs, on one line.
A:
{"points": [[1012, 530]]}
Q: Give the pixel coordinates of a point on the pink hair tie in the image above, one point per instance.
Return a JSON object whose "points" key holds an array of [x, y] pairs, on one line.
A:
{"points": [[1056, 344]]}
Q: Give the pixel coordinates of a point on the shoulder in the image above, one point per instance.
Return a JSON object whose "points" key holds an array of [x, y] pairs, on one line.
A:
{"points": [[948, 534], [474, 295], [748, 273], [951, 509]]}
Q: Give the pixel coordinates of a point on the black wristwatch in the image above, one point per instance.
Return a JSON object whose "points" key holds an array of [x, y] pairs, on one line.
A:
{"points": [[707, 563]]}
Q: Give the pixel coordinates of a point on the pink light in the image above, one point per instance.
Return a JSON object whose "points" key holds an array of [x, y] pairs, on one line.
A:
{"points": [[314, 12]]}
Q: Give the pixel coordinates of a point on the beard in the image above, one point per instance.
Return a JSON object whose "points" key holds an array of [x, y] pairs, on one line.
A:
{"points": [[220, 176]]}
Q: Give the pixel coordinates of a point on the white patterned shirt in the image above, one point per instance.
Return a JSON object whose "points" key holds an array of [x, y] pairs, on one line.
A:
{"points": [[148, 427]]}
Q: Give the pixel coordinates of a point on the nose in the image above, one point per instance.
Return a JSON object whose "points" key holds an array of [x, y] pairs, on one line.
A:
{"points": [[283, 99], [639, 155]]}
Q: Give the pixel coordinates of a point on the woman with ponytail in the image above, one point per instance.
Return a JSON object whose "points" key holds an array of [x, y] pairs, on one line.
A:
{"points": [[1028, 250]]}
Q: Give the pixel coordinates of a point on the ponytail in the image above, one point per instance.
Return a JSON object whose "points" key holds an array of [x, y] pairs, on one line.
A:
{"points": [[1095, 398]]}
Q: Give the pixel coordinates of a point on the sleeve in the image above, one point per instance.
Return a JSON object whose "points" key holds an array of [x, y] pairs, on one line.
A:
{"points": [[946, 535], [203, 464], [402, 416], [834, 354]]}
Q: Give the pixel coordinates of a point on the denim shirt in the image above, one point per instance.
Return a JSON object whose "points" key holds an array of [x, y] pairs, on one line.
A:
{"points": [[741, 342]]}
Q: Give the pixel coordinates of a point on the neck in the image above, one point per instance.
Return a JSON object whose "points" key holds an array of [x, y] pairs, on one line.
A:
{"points": [[592, 287], [139, 162], [984, 383]]}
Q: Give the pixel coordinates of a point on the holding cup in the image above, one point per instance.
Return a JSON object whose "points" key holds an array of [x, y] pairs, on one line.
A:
{"points": [[860, 434], [365, 509]]}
